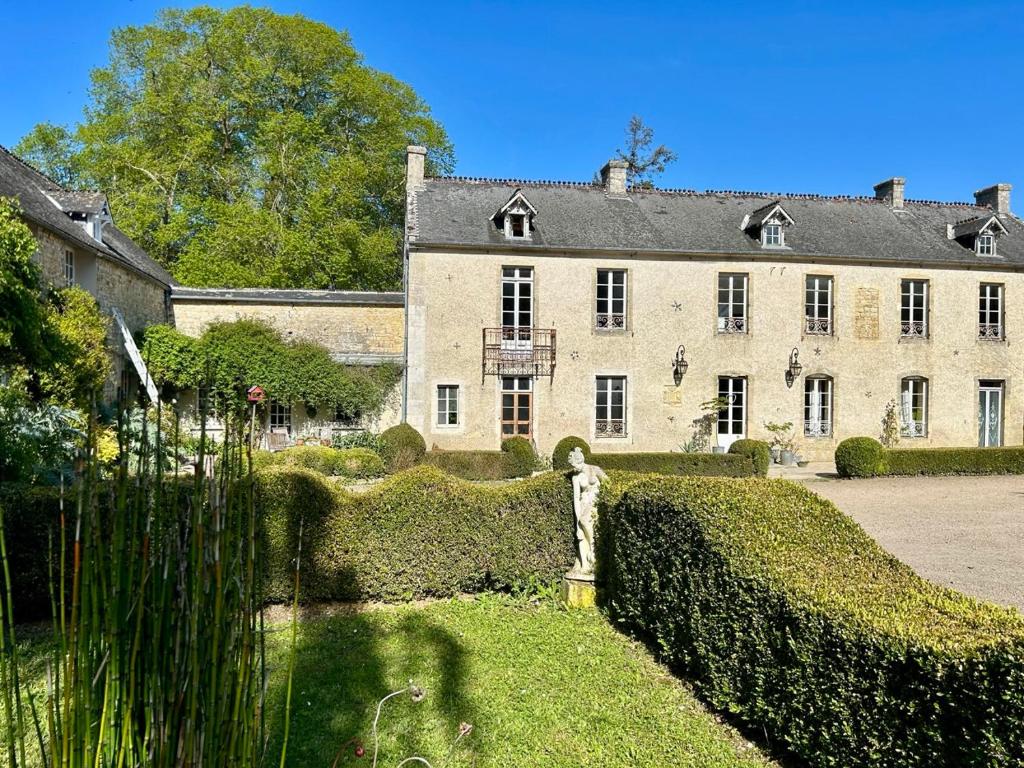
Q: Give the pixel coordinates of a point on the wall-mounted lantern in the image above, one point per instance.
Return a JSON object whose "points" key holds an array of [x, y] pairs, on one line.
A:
{"points": [[795, 369], [679, 365]]}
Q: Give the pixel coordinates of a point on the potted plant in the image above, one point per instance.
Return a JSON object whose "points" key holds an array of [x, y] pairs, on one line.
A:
{"points": [[704, 425], [782, 442]]}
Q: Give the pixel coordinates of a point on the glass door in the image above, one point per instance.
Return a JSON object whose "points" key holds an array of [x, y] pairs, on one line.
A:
{"points": [[517, 308], [990, 414], [732, 419], [516, 406]]}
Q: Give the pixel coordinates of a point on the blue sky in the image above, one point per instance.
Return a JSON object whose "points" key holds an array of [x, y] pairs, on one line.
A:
{"points": [[790, 97]]}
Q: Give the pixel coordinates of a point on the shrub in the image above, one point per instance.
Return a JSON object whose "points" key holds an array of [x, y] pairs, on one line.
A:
{"points": [[519, 456], [954, 461], [361, 439], [420, 533], [31, 515], [358, 463], [708, 464], [786, 614], [483, 465], [565, 446], [758, 451], [401, 447], [859, 457]]}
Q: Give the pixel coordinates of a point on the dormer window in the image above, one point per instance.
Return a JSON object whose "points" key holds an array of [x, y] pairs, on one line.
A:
{"points": [[515, 218], [986, 245], [768, 224], [979, 234]]}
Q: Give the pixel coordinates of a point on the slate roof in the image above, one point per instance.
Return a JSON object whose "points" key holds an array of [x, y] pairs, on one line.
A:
{"points": [[40, 197], [287, 296], [574, 216], [79, 201]]}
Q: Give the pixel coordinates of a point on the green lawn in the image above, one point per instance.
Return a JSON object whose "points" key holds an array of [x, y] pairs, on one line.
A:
{"points": [[541, 687]]}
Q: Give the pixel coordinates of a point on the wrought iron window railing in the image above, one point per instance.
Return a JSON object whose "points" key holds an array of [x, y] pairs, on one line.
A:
{"points": [[732, 325], [609, 321], [818, 326], [818, 428], [913, 329], [610, 428], [518, 351], [990, 331], [914, 428]]}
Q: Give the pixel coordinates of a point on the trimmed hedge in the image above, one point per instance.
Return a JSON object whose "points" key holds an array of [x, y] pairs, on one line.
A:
{"points": [[520, 456], [859, 457], [506, 464], [758, 451], [706, 464], [785, 613], [565, 446], [355, 463], [401, 447], [420, 533]]}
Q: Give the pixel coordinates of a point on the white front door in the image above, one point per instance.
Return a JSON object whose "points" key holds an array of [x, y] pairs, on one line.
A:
{"points": [[990, 414], [732, 419]]}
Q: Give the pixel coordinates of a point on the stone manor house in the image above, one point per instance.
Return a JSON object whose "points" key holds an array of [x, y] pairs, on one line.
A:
{"points": [[547, 309]]}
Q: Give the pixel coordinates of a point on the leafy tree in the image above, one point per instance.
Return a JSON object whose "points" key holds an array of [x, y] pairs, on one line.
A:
{"points": [[645, 160], [23, 329], [242, 147], [80, 363]]}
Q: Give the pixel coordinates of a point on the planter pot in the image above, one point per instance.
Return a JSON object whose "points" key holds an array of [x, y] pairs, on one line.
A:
{"points": [[717, 449], [775, 454], [787, 458]]}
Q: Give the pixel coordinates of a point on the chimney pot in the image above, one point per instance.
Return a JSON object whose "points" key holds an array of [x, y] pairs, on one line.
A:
{"points": [[996, 197], [415, 159], [613, 176], [891, 190]]}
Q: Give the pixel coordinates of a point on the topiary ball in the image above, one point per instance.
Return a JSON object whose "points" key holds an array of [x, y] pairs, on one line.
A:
{"points": [[521, 458], [860, 457], [402, 447], [758, 451], [560, 457]]}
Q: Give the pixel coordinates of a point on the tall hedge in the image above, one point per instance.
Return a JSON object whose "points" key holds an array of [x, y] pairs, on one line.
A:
{"points": [[785, 613], [420, 533]]}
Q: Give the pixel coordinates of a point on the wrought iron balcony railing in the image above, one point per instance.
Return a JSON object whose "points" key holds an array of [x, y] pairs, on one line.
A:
{"points": [[914, 429], [820, 428], [517, 351], [610, 428], [818, 326], [913, 329], [605, 321], [732, 325], [990, 331]]}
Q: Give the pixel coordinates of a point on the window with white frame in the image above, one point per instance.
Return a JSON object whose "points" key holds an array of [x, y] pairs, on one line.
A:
{"points": [[985, 245], [280, 418], [447, 405], [732, 303], [771, 234], [818, 406], [818, 305], [611, 300], [914, 309], [914, 407], [610, 407], [69, 268], [990, 311]]}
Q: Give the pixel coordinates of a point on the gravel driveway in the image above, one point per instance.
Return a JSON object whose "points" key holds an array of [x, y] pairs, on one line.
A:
{"points": [[962, 532]]}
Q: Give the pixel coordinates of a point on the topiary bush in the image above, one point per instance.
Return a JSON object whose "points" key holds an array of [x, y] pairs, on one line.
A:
{"points": [[401, 447], [520, 457], [420, 533], [565, 446], [785, 614], [859, 457], [357, 463], [758, 451], [707, 464]]}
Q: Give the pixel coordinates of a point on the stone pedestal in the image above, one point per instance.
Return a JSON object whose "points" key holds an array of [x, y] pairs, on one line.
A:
{"points": [[578, 591]]}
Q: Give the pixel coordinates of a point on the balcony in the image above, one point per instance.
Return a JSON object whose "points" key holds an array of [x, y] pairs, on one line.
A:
{"points": [[818, 428], [732, 324], [818, 326], [515, 351], [990, 331], [913, 329]]}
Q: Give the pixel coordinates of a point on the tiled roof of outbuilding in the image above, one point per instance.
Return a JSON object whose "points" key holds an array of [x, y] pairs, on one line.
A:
{"points": [[573, 216], [40, 196]]}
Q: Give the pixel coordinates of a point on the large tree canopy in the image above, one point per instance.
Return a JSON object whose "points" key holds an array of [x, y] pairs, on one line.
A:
{"points": [[247, 148]]}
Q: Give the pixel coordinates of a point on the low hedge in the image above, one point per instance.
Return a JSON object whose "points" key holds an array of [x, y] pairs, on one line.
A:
{"points": [[420, 533], [787, 615], [354, 463], [484, 465], [758, 451], [865, 457], [706, 464]]}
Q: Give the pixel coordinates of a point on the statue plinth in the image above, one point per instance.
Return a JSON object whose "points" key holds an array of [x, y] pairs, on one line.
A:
{"points": [[578, 590]]}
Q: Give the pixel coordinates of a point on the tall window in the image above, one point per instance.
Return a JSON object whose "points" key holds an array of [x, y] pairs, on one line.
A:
{"points": [[732, 303], [771, 234], [990, 311], [516, 406], [447, 405], [280, 417], [69, 267], [990, 414], [986, 245], [611, 406], [914, 309], [818, 306], [818, 406], [611, 299], [914, 407]]}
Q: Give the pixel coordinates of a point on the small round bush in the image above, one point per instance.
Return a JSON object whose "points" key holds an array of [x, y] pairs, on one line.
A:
{"points": [[315, 457], [560, 457], [758, 451], [401, 447], [860, 457], [520, 456], [358, 463]]}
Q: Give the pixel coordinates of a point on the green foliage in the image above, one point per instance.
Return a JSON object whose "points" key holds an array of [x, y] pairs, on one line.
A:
{"points": [[758, 451], [30, 513], [521, 457], [859, 457], [80, 363], [787, 615], [954, 461], [38, 440], [23, 324], [420, 533], [782, 435], [484, 465], [242, 147], [401, 447], [362, 439], [172, 357], [707, 464], [565, 446], [890, 436], [353, 463]]}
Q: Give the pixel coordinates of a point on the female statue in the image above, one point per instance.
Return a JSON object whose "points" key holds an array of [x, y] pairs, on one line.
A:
{"points": [[586, 482]]}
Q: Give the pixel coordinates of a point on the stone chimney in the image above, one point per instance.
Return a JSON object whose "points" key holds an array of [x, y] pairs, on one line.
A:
{"points": [[415, 158], [613, 176], [891, 190], [996, 197]]}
